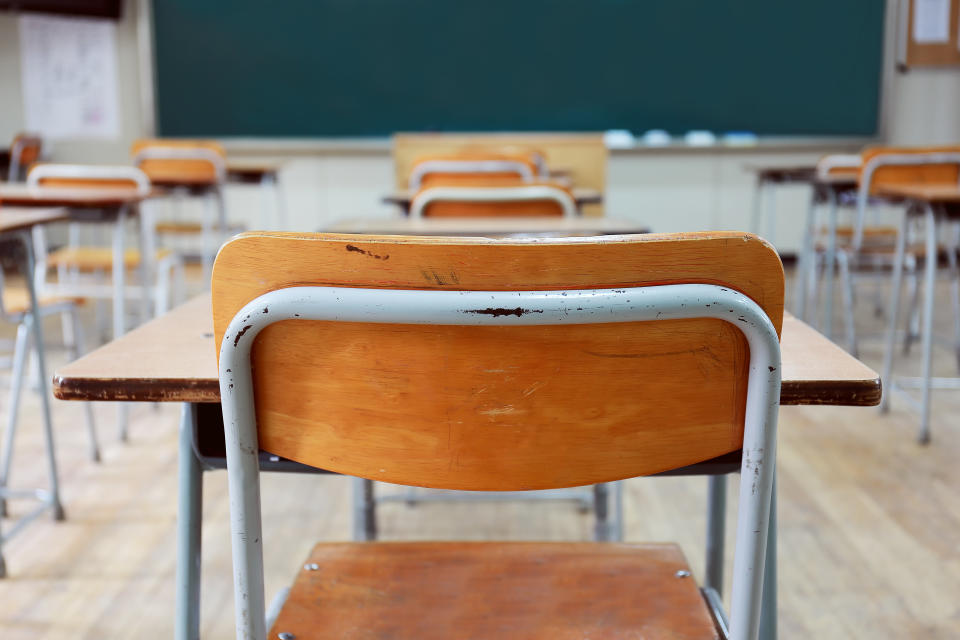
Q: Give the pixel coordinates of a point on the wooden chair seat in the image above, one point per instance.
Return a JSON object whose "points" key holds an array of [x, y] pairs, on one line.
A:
{"points": [[97, 258], [450, 590], [17, 300]]}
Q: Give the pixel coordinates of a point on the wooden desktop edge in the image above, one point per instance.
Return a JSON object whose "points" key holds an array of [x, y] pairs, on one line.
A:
{"points": [[68, 385]]}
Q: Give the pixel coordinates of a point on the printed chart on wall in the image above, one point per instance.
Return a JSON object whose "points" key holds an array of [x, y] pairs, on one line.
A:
{"points": [[69, 72]]}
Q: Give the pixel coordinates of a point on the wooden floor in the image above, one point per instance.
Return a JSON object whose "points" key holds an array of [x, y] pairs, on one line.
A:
{"points": [[869, 522]]}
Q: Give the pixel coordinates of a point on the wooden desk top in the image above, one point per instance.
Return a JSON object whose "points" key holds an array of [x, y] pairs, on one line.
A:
{"points": [[800, 173], [172, 359], [934, 193], [582, 196], [19, 218], [500, 226], [26, 196]]}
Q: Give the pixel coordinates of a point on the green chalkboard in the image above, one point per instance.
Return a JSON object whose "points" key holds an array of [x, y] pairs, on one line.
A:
{"points": [[372, 67]]}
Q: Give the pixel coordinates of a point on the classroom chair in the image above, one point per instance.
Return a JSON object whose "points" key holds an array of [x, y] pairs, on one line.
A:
{"points": [[15, 309], [520, 200], [871, 249], [25, 150], [192, 168], [549, 363], [80, 269], [472, 169]]}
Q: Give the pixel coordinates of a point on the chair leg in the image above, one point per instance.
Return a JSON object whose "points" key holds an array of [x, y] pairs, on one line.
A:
{"points": [[16, 387], [923, 437], [716, 532], [843, 260], [78, 348], [601, 513], [913, 296], [364, 510], [955, 288]]}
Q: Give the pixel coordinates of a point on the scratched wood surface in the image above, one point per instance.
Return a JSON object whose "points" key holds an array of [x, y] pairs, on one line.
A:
{"points": [[570, 405], [445, 590], [173, 359]]}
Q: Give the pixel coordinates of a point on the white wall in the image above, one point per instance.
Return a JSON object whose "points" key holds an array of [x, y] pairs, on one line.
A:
{"points": [[669, 190]]}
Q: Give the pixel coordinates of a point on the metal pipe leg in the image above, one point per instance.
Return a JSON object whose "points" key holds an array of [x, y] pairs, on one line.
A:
{"points": [[758, 193], [771, 234], [955, 288], [37, 326], [806, 254], [206, 232], [843, 260], [189, 528], [716, 532], [892, 315], [364, 510], [16, 387], [913, 303], [601, 512], [928, 304], [830, 263], [768, 611], [72, 319], [618, 523], [119, 310]]}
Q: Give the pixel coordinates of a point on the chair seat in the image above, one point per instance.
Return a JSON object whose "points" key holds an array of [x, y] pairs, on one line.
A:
{"points": [[17, 300], [449, 590], [97, 258]]}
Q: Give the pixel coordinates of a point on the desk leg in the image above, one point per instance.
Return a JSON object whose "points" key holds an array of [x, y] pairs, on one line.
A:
{"points": [[768, 610], [893, 314], [757, 205], [364, 510], [803, 272], [119, 303], [930, 220], [830, 265], [189, 527], [716, 530]]}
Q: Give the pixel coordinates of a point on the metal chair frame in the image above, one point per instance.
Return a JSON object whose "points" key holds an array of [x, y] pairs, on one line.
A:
{"points": [[667, 302]]}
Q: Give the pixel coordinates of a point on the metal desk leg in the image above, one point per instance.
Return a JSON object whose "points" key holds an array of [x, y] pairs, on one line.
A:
{"points": [[119, 302], [601, 513], [189, 527], [930, 220], [830, 265], [768, 611], [806, 257], [28, 273], [716, 528], [893, 314]]}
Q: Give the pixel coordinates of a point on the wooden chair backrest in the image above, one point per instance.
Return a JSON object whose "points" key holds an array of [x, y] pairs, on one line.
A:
{"points": [[544, 207], [68, 176], [490, 408], [471, 172], [24, 151], [945, 173], [582, 155], [179, 171]]}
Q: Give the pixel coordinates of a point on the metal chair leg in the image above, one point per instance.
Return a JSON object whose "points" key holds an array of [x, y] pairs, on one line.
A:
{"points": [[78, 349], [716, 532], [843, 260], [892, 316], [601, 513], [930, 218], [364, 510], [16, 387]]}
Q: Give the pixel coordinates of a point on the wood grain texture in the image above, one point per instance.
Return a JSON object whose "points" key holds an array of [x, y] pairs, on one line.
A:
{"points": [[173, 359], [460, 590], [946, 174], [935, 193], [582, 156], [176, 172], [490, 408]]}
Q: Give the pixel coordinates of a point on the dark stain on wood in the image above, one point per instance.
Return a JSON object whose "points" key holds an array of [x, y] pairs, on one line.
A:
{"points": [[356, 249]]}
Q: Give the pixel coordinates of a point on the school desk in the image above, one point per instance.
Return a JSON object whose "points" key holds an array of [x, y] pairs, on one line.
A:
{"points": [[15, 227], [173, 359], [403, 197], [490, 226], [266, 174], [937, 204]]}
